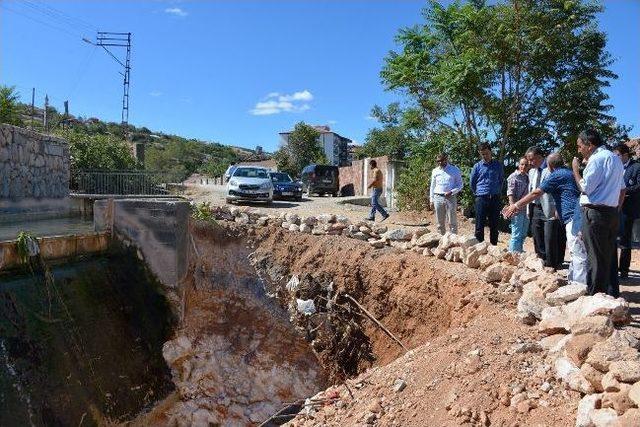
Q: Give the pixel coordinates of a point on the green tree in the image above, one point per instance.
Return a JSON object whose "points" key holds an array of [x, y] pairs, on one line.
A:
{"points": [[514, 73], [97, 151], [9, 107], [392, 139], [302, 148]]}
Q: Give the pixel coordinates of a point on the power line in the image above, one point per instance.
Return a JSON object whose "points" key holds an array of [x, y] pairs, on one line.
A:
{"points": [[75, 36], [58, 15]]}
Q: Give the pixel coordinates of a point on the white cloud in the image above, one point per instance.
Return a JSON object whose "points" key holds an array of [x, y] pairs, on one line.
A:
{"points": [[275, 103], [175, 11], [155, 93], [332, 122], [370, 118]]}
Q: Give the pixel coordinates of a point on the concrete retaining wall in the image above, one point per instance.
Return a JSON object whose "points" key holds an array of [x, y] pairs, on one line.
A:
{"points": [[56, 247], [158, 228]]}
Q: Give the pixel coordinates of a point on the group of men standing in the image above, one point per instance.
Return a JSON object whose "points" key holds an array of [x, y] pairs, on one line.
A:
{"points": [[585, 211]]}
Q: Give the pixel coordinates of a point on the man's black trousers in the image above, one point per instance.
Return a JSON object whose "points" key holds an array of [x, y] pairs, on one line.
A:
{"points": [[599, 232]]}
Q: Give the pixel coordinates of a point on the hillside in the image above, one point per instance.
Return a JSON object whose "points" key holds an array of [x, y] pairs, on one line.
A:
{"points": [[163, 151]]}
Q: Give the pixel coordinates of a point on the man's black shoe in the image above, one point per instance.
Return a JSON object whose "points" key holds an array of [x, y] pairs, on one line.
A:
{"points": [[384, 217], [624, 274], [369, 219]]}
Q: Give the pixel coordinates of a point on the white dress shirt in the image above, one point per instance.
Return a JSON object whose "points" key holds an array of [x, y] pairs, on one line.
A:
{"points": [[445, 179], [602, 180]]}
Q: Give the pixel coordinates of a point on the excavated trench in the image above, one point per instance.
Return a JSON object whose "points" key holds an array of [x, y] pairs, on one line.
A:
{"points": [[266, 320]]}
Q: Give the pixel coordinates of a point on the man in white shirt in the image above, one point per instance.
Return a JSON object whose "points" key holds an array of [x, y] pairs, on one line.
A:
{"points": [[603, 190], [446, 183]]}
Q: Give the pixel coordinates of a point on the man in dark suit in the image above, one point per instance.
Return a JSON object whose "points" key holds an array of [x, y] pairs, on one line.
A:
{"points": [[630, 207]]}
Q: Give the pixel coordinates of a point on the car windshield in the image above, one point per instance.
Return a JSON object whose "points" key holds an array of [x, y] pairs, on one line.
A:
{"points": [[280, 177], [250, 173]]}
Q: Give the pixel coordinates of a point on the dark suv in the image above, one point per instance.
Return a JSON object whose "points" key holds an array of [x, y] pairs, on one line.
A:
{"points": [[320, 179]]}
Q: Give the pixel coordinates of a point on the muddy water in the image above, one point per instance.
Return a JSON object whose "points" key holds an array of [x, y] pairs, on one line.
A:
{"points": [[86, 351]]}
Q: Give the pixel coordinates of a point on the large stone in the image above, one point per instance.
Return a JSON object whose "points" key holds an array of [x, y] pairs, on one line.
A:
{"points": [[472, 259], [587, 405], [579, 346], [627, 371], [604, 417], [599, 304], [326, 218], [634, 393], [529, 276], [550, 283], [571, 375], [360, 236], [305, 228], [294, 227], [551, 341], [493, 273], [618, 400], [610, 383], [601, 325], [553, 321], [448, 240], [398, 234], [467, 242], [566, 294], [486, 261], [629, 418], [531, 301], [534, 264], [613, 349], [454, 254], [429, 240], [592, 375], [310, 220]]}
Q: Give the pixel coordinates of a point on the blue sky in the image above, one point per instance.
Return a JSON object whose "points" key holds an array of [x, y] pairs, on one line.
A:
{"points": [[239, 72]]}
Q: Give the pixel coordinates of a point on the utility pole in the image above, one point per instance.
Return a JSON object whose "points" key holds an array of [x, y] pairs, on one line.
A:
{"points": [[46, 107], [65, 123], [33, 101], [106, 39]]}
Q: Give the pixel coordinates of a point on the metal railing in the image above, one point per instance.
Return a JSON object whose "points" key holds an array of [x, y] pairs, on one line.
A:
{"points": [[125, 182]]}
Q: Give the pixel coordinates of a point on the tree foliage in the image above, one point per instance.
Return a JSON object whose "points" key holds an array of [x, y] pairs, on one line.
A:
{"points": [[10, 109], [302, 148], [392, 139], [98, 151], [513, 73]]}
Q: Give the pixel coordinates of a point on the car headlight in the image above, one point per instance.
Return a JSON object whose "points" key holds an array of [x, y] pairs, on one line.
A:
{"points": [[233, 183], [265, 185]]}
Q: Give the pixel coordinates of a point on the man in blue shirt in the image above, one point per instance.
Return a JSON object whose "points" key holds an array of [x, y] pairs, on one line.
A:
{"points": [[603, 191], [486, 184], [561, 186]]}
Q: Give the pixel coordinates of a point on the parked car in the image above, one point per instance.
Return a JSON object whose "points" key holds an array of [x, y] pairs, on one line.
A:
{"points": [[284, 187], [250, 183], [321, 180]]}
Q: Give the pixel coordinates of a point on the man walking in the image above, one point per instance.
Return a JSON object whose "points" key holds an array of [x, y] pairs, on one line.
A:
{"points": [[603, 190], [486, 184], [630, 206], [376, 185], [446, 183], [537, 165], [561, 186]]}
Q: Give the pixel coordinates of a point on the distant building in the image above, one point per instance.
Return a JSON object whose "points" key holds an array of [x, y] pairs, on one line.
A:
{"points": [[334, 145]]}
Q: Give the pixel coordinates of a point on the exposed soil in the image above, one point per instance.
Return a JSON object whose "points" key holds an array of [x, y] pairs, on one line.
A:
{"points": [[463, 333]]}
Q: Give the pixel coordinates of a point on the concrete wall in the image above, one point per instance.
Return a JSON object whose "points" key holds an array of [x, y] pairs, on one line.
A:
{"points": [[56, 247], [354, 179], [158, 228]]}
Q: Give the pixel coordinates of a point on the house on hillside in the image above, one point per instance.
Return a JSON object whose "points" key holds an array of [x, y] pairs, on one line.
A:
{"points": [[335, 146]]}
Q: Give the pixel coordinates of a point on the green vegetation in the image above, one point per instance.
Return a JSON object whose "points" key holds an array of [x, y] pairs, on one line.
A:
{"points": [[202, 211], [9, 107], [95, 144], [510, 73], [303, 148]]}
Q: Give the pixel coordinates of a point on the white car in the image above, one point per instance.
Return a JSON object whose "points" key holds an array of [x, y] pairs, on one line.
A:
{"points": [[250, 183]]}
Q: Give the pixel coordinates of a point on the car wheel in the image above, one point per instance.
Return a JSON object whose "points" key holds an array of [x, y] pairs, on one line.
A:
{"points": [[298, 199]]}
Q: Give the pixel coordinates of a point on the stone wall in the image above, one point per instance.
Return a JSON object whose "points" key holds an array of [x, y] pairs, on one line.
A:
{"points": [[32, 165]]}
